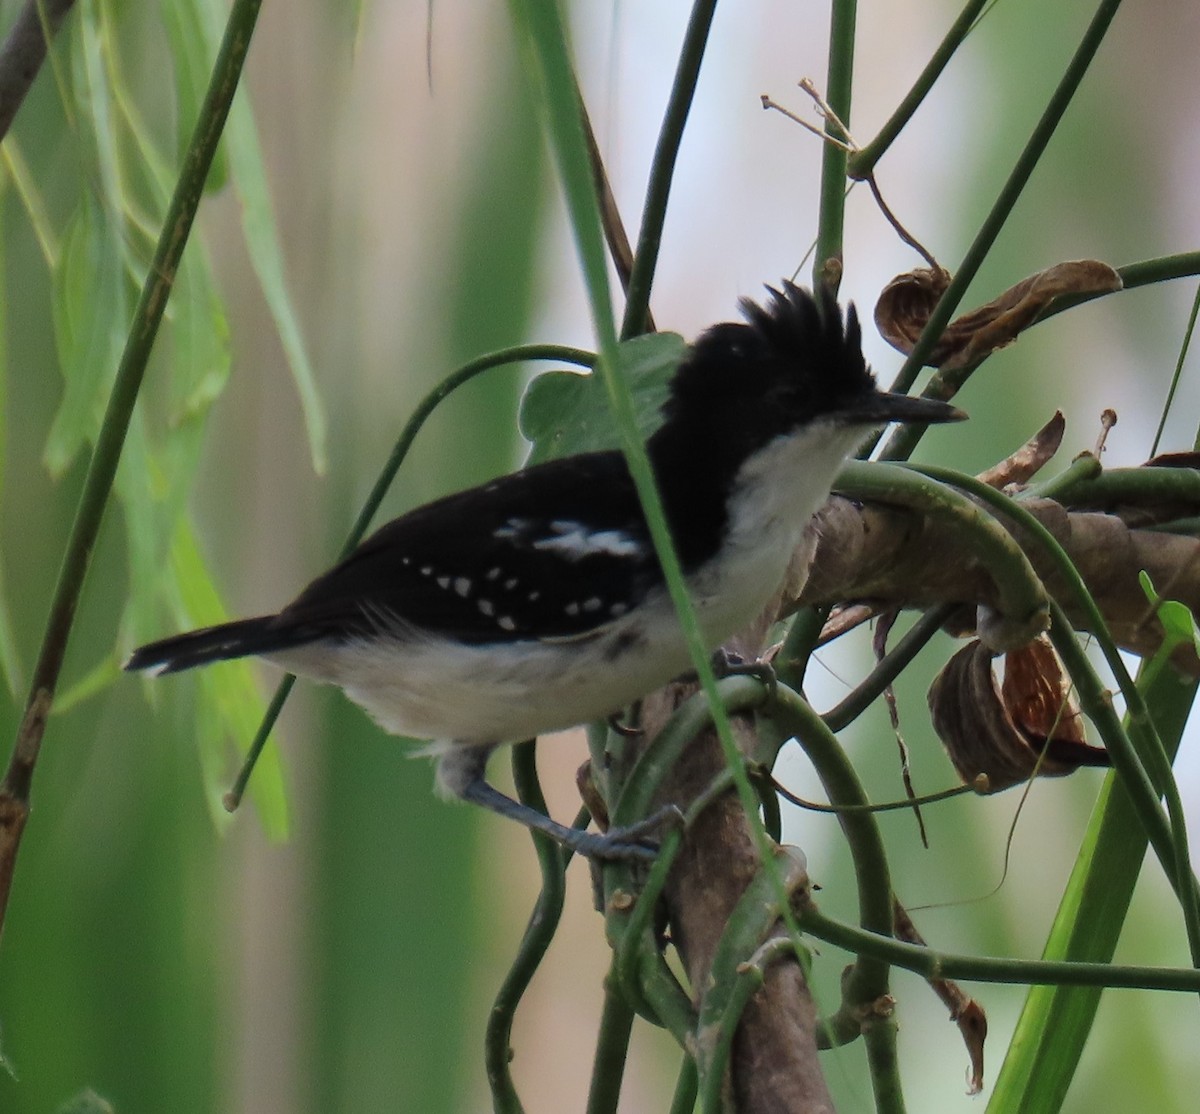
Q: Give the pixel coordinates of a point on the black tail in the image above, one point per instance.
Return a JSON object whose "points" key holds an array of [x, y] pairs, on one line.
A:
{"points": [[199, 647]]}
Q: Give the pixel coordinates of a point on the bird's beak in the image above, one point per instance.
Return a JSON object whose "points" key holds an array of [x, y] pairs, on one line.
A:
{"points": [[883, 406]]}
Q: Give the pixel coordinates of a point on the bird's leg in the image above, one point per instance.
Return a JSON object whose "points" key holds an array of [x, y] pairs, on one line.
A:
{"points": [[461, 771]]}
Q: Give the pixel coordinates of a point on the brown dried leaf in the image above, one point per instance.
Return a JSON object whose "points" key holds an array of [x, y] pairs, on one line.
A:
{"points": [[1038, 694], [1186, 459], [972, 1024], [967, 1013], [1031, 728], [908, 300], [905, 305], [1020, 467]]}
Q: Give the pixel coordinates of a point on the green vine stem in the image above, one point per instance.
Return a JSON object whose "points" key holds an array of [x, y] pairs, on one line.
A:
{"points": [[862, 162], [1022, 597], [931, 964], [839, 84], [868, 690], [543, 923], [662, 168], [612, 1050], [686, 1088], [102, 469], [1096, 488], [799, 644]]}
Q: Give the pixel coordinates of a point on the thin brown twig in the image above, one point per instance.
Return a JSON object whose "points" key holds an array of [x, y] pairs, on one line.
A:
{"points": [[24, 51], [610, 216], [847, 144]]}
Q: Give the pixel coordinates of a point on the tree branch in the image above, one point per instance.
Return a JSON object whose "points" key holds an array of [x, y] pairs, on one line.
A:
{"points": [[24, 51]]}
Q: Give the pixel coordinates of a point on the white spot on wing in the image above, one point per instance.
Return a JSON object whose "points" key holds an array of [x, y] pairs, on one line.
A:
{"points": [[487, 607], [463, 586], [575, 541], [506, 622], [592, 603], [513, 528], [443, 582]]}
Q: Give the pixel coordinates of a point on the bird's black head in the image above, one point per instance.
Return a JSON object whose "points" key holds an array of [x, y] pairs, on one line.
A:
{"points": [[795, 362]]}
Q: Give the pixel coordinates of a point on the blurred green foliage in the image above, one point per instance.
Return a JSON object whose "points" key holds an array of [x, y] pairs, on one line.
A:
{"points": [[119, 975]]}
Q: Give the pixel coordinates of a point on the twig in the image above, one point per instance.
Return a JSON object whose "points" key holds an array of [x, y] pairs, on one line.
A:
{"points": [[24, 51]]}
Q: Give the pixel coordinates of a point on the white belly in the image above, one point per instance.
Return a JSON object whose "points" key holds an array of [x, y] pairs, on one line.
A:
{"points": [[423, 687]]}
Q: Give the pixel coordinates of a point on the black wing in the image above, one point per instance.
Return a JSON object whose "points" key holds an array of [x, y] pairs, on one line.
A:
{"points": [[554, 551]]}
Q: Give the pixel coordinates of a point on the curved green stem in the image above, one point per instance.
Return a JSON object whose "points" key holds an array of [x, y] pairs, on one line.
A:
{"points": [[686, 1087], [612, 1050], [932, 964], [800, 642], [1022, 598], [662, 168], [1093, 486], [888, 669], [543, 922], [862, 162], [843, 787]]}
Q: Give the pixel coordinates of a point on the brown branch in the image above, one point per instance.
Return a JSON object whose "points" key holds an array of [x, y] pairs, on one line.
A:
{"points": [[774, 1067], [889, 555], [24, 51]]}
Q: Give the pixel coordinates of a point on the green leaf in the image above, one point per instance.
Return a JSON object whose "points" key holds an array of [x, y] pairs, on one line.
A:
{"points": [[90, 311], [229, 704], [564, 413], [32, 199], [1179, 624], [10, 663], [193, 48], [266, 256], [200, 339], [104, 673]]}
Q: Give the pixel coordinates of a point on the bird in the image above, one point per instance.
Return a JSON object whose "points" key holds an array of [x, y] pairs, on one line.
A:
{"points": [[536, 602]]}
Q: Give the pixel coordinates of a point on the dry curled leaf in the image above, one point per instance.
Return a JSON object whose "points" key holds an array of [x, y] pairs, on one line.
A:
{"points": [[1020, 467], [1037, 694], [967, 1013], [905, 305], [908, 300], [1029, 726]]}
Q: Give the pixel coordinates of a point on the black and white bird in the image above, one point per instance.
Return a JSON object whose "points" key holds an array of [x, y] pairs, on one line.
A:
{"points": [[536, 602]]}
